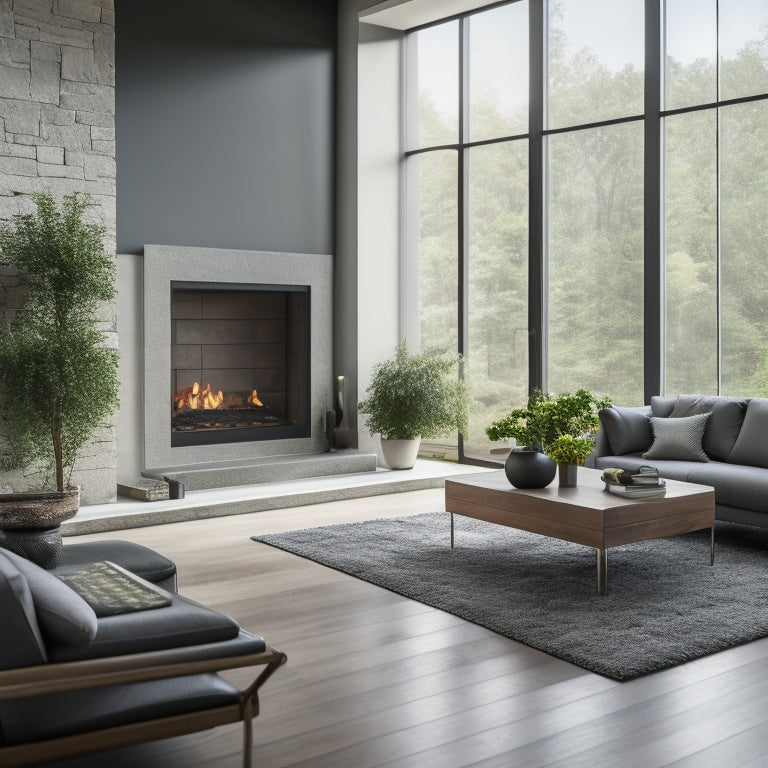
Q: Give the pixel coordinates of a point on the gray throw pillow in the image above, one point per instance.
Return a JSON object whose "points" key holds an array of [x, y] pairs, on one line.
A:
{"points": [[678, 439], [64, 617]]}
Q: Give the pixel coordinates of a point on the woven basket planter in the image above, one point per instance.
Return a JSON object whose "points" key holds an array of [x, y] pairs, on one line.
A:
{"points": [[45, 509], [30, 523]]}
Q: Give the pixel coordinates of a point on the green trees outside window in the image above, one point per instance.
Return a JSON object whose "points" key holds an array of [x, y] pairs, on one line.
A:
{"points": [[584, 135]]}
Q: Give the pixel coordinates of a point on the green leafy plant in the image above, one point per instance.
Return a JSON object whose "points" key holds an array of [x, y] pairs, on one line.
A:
{"points": [[412, 395], [567, 449], [58, 380], [546, 419]]}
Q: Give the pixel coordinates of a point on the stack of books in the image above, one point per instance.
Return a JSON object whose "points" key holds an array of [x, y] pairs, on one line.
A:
{"points": [[641, 483]]}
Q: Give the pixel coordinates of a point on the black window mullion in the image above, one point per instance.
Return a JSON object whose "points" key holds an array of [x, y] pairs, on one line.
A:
{"points": [[463, 180], [718, 241], [463, 198], [537, 343], [653, 298]]}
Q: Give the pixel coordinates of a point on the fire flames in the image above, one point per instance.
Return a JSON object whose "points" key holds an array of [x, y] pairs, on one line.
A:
{"points": [[195, 398]]}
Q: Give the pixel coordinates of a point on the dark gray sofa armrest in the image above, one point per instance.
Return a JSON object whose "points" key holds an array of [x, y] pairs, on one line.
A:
{"points": [[602, 448]]}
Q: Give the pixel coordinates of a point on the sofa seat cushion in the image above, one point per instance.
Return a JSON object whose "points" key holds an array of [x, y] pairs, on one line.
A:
{"points": [[672, 470], [735, 486], [142, 561], [184, 622], [65, 714]]}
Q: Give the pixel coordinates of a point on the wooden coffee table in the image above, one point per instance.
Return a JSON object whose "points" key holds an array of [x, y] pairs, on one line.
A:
{"points": [[586, 514]]}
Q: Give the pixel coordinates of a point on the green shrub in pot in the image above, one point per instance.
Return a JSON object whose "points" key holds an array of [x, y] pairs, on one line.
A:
{"points": [[415, 396], [548, 417]]}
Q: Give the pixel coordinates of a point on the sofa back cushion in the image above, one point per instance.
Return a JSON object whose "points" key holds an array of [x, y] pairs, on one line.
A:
{"points": [[751, 447], [726, 416], [21, 643], [662, 405], [627, 428]]}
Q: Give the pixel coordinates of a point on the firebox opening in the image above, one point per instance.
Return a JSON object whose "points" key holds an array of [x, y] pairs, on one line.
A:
{"points": [[239, 362]]}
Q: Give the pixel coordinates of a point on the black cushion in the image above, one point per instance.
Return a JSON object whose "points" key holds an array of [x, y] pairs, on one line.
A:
{"points": [[628, 429]]}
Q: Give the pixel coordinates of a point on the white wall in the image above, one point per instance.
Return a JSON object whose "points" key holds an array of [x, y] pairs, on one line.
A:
{"points": [[380, 284], [130, 418]]}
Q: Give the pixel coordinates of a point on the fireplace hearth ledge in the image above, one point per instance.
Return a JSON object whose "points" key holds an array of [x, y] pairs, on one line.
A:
{"points": [[267, 469], [129, 513]]}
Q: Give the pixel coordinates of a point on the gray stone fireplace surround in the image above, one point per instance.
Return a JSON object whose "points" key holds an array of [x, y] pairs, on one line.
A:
{"points": [[237, 463]]}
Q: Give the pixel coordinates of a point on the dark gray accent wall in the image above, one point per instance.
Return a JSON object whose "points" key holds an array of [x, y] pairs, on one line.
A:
{"points": [[225, 124]]}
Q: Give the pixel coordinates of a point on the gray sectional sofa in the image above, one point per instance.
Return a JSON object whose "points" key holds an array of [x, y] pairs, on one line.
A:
{"points": [[710, 440]]}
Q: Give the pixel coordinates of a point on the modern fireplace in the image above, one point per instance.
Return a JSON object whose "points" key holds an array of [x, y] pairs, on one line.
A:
{"points": [[240, 368]]}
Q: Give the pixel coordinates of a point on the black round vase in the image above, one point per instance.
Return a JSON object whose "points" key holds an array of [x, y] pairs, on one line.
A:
{"points": [[528, 468]]}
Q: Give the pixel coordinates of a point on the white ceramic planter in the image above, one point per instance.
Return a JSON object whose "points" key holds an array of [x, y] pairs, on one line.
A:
{"points": [[400, 454]]}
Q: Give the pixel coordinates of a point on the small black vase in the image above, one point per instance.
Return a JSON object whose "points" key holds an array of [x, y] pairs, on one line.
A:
{"points": [[529, 468]]}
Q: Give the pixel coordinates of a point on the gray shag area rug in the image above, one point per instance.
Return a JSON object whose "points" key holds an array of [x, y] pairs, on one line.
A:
{"points": [[666, 605]]}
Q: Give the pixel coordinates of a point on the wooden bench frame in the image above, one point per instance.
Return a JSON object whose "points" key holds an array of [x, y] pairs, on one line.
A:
{"points": [[46, 679]]}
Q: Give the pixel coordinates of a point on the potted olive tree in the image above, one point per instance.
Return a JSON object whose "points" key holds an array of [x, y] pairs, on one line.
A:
{"points": [[414, 396], [58, 379], [562, 427]]}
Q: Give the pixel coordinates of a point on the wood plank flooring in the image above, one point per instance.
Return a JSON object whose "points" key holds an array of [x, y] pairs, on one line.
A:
{"points": [[374, 679]]}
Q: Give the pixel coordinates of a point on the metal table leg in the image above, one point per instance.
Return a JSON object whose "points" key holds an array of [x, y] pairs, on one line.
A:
{"points": [[451, 530], [602, 571], [712, 546]]}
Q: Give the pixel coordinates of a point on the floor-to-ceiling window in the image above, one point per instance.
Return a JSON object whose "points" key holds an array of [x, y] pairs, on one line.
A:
{"points": [[467, 144], [593, 171], [715, 129], [589, 180]]}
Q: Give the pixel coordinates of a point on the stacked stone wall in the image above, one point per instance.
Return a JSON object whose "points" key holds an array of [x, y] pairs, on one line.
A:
{"points": [[57, 133]]}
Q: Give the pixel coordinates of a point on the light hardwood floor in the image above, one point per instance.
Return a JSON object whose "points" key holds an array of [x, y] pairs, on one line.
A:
{"points": [[374, 679]]}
